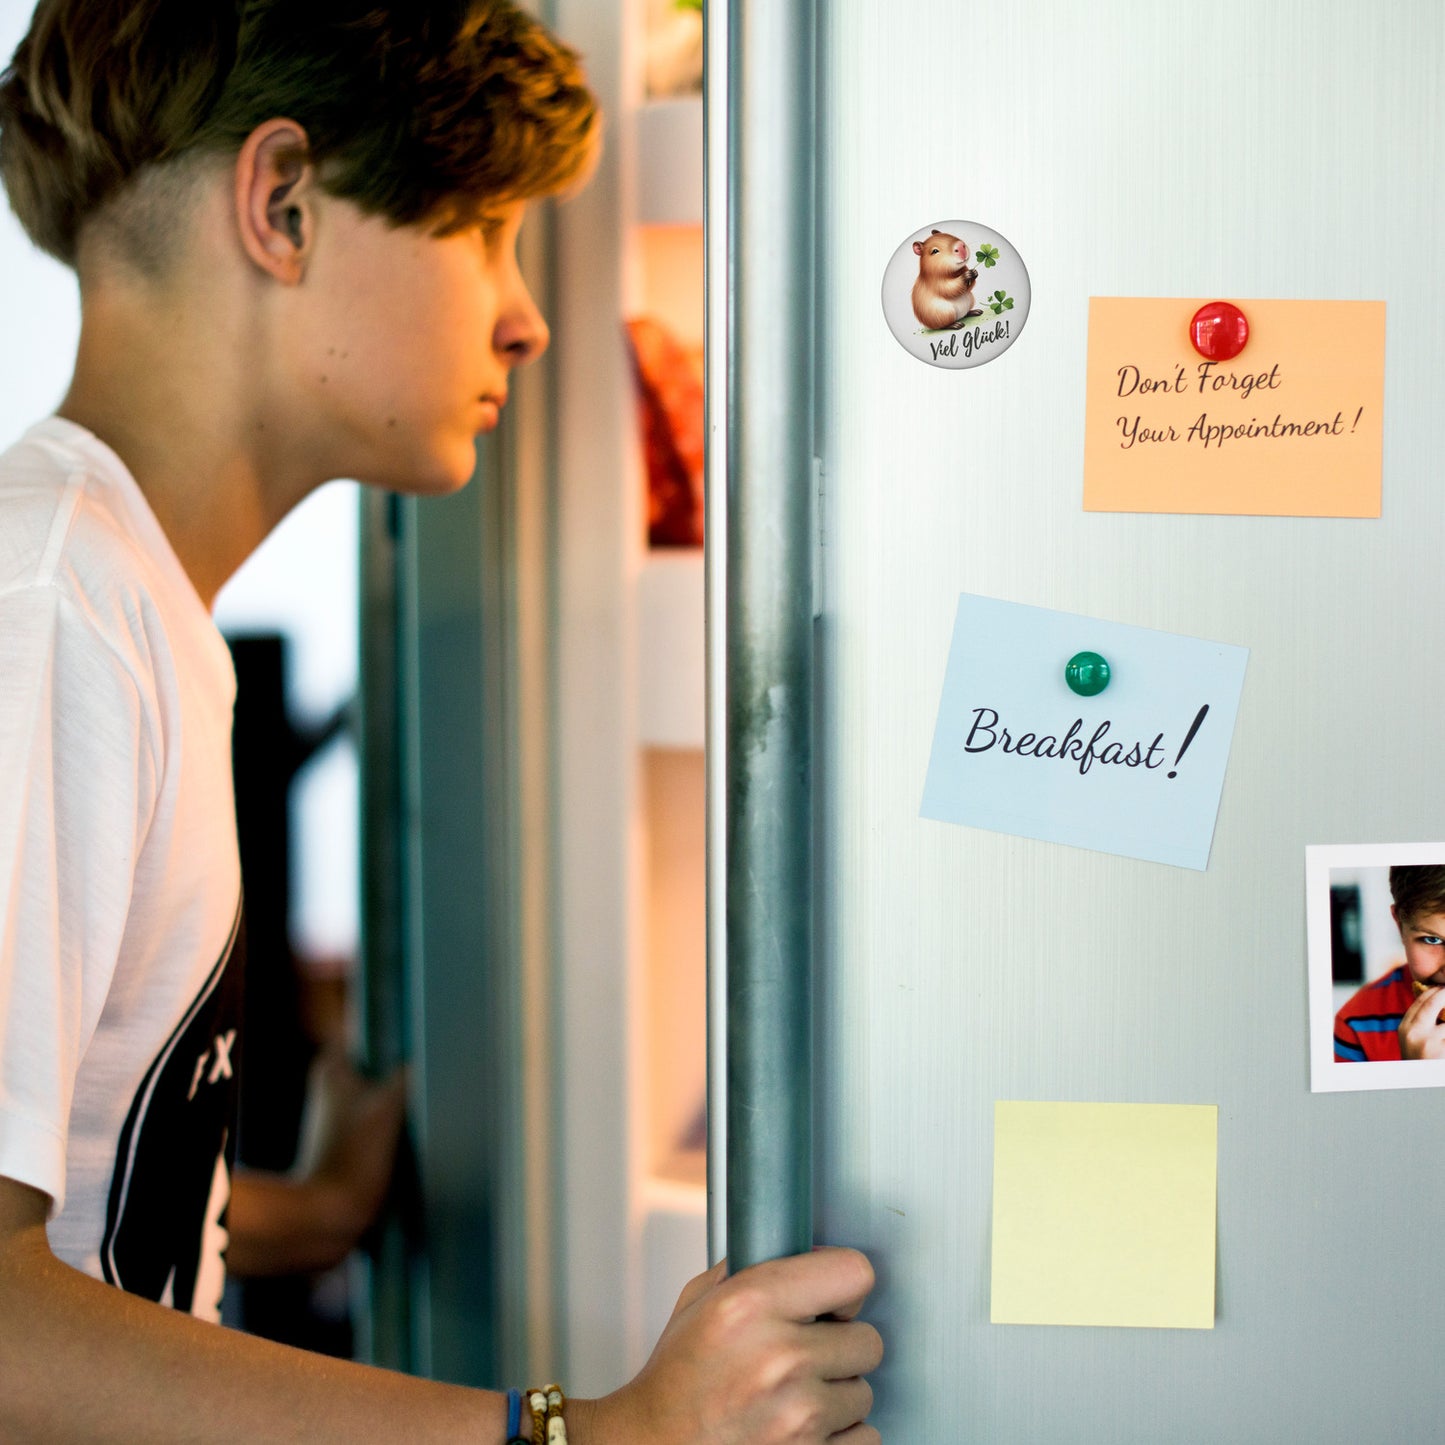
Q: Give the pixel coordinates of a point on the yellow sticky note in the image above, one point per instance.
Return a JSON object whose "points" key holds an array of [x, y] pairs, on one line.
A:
{"points": [[1104, 1214], [1291, 427]]}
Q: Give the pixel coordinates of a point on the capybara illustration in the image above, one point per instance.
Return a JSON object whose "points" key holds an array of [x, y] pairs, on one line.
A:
{"points": [[943, 293]]}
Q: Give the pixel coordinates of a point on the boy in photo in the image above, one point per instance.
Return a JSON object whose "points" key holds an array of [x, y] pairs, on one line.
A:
{"points": [[1399, 1015], [294, 224]]}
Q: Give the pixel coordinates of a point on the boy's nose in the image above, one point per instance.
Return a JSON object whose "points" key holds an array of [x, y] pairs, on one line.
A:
{"points": [[522, 331]]}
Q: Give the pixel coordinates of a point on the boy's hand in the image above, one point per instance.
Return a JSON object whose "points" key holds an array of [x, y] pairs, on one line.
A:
{"points": [[310, 1219], [1422, 1035], [349, 1133], [772, 1356]]}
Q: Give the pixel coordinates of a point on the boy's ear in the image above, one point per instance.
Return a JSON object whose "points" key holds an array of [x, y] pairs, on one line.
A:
{"points": [[273, 198], [1395, 914]]}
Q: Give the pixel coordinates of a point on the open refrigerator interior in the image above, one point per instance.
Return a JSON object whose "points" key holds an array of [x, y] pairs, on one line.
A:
{"points": [[665, 295], [628, 321]]}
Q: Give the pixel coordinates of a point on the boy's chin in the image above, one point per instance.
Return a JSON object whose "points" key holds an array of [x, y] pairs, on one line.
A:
{"points": [[438, 472]]}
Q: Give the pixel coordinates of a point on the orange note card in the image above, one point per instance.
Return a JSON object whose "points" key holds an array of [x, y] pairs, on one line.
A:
{"points": [[1291, 427]]}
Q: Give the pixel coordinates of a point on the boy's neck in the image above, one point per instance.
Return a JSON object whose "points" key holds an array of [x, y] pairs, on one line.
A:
{"points": [[173, 401]]}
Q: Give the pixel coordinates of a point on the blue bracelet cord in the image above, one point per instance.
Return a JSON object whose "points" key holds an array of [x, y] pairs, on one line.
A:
{"points": [[514, 1415]]}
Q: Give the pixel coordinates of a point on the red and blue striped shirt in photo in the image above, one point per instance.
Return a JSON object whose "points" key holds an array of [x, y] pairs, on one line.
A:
{"points": [[1367, 1028]]}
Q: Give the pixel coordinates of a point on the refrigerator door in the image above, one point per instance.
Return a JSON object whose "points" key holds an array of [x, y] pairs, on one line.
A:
{"points": [[1126, 149]]}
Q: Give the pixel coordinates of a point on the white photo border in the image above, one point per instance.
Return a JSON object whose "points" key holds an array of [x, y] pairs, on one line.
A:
{"points": [[1327, 1075]]}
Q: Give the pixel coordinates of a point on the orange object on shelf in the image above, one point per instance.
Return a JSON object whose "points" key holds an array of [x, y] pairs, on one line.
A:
{"points": [[670, 395]]}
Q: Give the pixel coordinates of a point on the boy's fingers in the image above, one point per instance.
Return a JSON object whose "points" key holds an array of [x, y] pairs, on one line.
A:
{"points": [[829, 1281], [847, 1404], [394, 1088], [1432, 998], [1434, 1001], [695, 1289], [847, 1350], [858, 1435], [849, 1310]]}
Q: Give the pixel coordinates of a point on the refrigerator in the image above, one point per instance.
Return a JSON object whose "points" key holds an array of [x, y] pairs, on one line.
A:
{"points": [[891, 987], [1244, 153]]}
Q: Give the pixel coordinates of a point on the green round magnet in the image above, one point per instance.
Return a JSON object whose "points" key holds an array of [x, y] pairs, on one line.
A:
{"points": [[1087, 674]]}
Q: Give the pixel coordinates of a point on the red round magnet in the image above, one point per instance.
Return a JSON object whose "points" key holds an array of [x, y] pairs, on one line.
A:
{"points": [[1219, 330]]}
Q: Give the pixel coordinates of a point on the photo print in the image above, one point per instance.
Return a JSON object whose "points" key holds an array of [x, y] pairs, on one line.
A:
{"points": [[1376, 927]]}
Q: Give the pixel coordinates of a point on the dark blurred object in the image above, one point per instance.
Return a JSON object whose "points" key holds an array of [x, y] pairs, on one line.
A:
{"points": [[1347, 953], [268, 751], [670, 402]]}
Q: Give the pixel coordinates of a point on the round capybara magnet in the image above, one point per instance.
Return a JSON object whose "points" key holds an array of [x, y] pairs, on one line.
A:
{"points": [[956, 294]]}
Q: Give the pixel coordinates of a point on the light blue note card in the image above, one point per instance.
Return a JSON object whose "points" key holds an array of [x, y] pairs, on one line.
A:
{"points": [[1136, 769]]}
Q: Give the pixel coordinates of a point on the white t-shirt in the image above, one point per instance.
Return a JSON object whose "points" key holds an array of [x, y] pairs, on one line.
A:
{"points": [[120, 954]]}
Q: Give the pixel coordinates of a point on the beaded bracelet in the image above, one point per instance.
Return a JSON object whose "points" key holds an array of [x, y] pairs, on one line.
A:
{"points": [[548, 1427]]}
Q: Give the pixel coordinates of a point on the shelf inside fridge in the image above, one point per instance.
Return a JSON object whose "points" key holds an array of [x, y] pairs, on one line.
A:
{"points": [[670, 648], [669, 162]]}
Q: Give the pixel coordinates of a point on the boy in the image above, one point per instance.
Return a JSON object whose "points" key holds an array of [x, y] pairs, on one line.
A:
{"points": [[293, 224], [1398, 1016]]}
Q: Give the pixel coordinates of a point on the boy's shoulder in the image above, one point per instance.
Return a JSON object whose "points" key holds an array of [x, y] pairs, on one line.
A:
{"points": [[1385, 998], [60, 523], [73, 522]]}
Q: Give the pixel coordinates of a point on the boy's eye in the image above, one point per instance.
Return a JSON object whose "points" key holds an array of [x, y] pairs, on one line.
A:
{"points": [[1429, 938]]}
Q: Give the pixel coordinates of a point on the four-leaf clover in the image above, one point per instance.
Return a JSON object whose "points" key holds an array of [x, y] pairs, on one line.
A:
{"points": [[999, 303], [988, 255]]}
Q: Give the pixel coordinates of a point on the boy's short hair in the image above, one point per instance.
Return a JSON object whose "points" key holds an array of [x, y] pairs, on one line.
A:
{"points": [[428, 112], [1417, 891]]}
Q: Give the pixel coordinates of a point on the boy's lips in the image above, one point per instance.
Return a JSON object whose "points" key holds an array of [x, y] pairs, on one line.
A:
{"points": [[492, 409]]}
